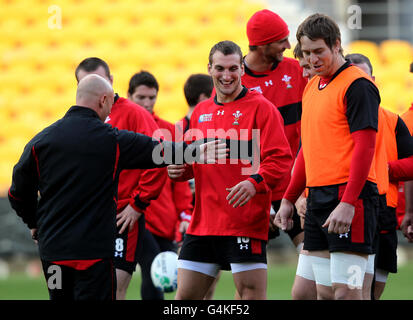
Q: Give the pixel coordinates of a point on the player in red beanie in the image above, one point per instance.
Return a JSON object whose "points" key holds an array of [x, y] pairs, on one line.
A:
{"points": [[280, 80], [266, 27]]}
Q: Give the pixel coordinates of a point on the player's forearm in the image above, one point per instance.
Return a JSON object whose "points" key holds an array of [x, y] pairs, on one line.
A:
{"points": [[408, 193], [298, 180], [401, 170], [363, 154]]}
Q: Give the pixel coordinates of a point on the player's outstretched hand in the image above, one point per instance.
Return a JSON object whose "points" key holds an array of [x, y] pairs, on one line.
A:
{"points": [[241, 193], [127, 218], [340, 219], [284, 217], [212, 151]]}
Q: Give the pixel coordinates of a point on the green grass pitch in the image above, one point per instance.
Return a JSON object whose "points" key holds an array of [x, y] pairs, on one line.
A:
{"points": [[280, 279]]}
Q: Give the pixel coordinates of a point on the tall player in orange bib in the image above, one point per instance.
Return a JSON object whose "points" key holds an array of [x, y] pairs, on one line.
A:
{"points": [[338, 132]]}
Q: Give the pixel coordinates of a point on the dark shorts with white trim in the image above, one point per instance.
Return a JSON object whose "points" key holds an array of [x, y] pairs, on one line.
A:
{"points": [[223, 250], [294, 231], [129, 246], [322, 201]]}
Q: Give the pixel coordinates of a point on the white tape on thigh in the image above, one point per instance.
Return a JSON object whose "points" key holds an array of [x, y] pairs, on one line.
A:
{"points": [[348, 269], [247, 266], [210, 269], [370, 264], [321, 269], [381, 275], [305, 268]]}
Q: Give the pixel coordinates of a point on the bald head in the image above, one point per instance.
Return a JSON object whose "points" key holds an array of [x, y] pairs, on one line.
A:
{"points": [[96, 93]]}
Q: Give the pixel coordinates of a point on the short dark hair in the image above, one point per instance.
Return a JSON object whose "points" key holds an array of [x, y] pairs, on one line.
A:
{"points": [[142, 78], [226, 47], [359, 58], [319, 26], [411, 67], [92, 64], [196, 85], [298, 54]]}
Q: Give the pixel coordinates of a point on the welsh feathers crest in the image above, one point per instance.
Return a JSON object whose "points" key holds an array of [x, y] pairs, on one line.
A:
{"points": [[287, 79]]}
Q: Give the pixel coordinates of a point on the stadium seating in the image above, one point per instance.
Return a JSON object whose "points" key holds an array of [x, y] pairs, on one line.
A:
{"points": [[394, 51], [44, 42], [368, 48], [390, 60]]}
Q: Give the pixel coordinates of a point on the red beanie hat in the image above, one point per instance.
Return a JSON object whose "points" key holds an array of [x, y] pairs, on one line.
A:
{"points": [[265, 27]]}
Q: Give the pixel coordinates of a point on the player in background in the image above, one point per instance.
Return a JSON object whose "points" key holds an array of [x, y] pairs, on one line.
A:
{"points": [[280, 80], [173, 207], [336, 160], [304, 286], [136, 187], [398, 145], [198, 87], [405, 210], [229, 226]]}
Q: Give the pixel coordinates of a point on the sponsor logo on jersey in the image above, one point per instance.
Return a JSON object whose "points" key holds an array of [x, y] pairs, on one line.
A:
{"points": [[287, 80], [268, 83], [220, 112], [205, 117]]}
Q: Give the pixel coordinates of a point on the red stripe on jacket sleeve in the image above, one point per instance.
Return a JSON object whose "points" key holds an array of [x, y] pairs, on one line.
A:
{"points": [[116, 161]]}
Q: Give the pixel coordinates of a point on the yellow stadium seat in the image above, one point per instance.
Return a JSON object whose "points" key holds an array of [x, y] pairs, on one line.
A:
{"points": [[404, 101], [6, 170], [171, 107], [396, 50], [368, 48], [289, 52], [389, 94]]}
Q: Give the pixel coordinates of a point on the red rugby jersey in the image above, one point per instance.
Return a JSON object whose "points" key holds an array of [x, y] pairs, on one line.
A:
{"points": [[181, 127], [283, 85], [174, 203], [235, 122], [136, 187]]}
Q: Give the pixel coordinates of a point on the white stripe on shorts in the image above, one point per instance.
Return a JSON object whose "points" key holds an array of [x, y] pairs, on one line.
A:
{"points": [[247, 266], [210, 269]]}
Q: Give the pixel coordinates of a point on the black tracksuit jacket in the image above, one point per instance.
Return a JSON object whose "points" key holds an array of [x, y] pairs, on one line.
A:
{"points": [[65, 183]]}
